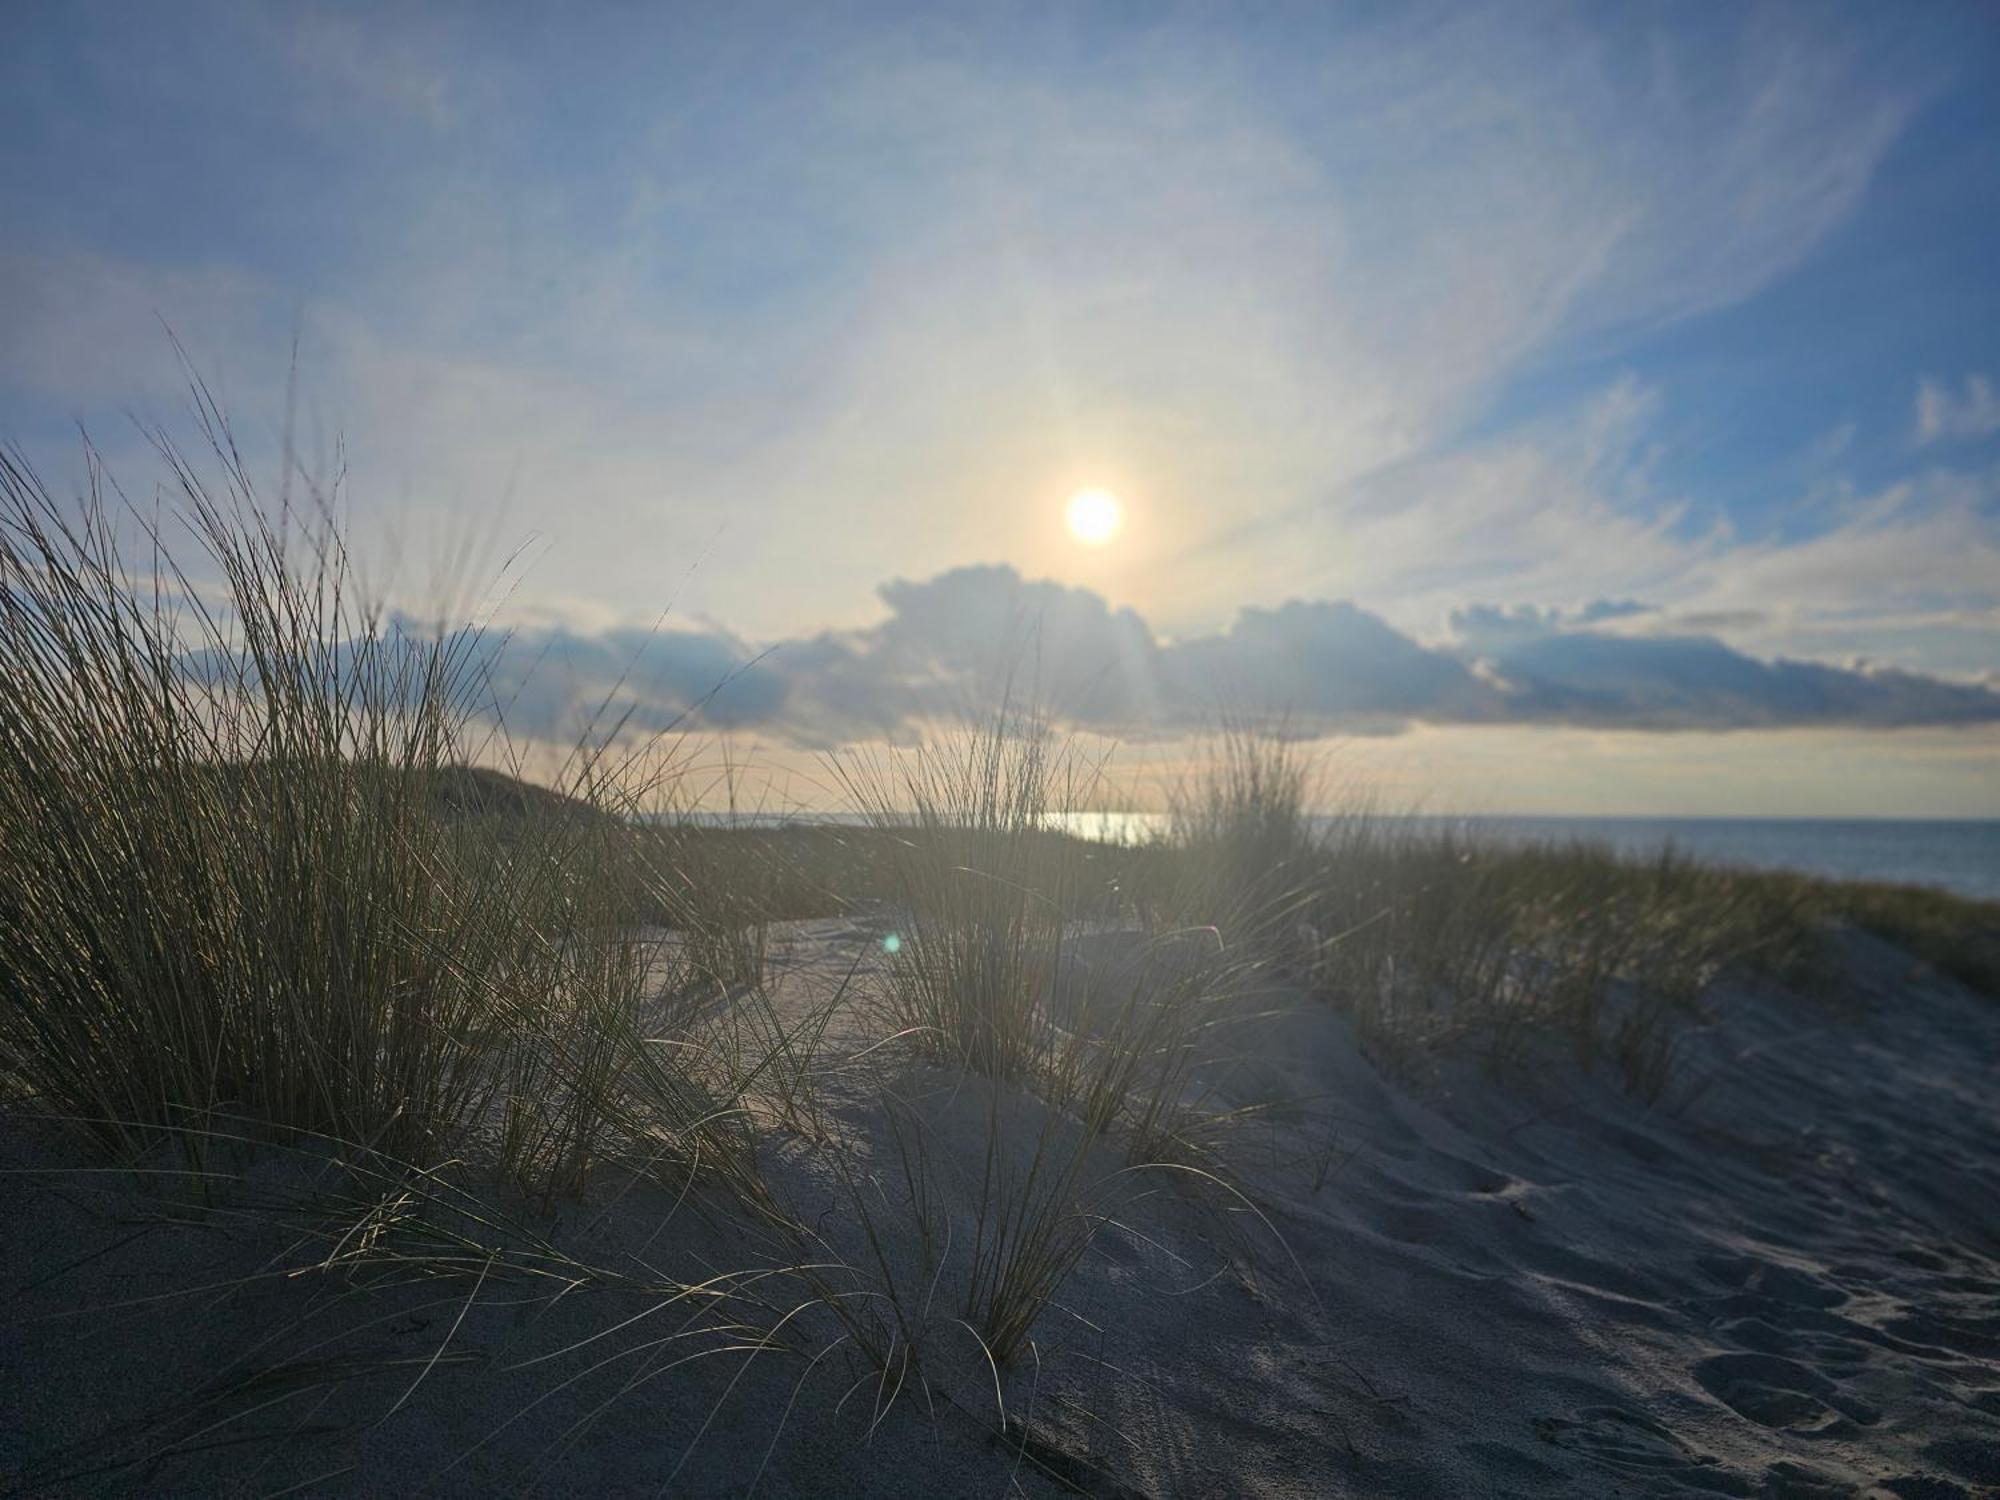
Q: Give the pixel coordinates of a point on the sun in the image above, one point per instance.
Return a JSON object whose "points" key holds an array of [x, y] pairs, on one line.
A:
{"points": [[1094, 516]]}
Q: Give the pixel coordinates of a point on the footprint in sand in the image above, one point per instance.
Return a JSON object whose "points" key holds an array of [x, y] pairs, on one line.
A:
{"points": [[1972, 1458], [1780, 1393], [1624, 1439], [1976, 1335], [1925, 1487], [1786, 1480], [1771, 1284]]}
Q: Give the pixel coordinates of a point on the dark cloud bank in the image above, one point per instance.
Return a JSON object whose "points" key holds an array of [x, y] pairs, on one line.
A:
{"points": [[956, 643]]}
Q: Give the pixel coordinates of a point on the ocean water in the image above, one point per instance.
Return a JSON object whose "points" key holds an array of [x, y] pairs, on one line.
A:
{"points": [[1960, 856]]}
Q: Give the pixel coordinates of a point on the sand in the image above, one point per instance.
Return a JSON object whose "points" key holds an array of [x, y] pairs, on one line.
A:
{"points": [[1782, 1279]]}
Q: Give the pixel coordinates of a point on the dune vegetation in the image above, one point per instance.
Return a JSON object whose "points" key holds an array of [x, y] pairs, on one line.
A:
{"points": [[267, 896]]}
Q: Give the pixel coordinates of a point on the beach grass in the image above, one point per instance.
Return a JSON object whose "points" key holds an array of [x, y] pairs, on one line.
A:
{"points": [[246, 875]]}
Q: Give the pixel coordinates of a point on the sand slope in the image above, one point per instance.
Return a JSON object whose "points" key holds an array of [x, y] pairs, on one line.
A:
{"points": [[1782, 1280]]}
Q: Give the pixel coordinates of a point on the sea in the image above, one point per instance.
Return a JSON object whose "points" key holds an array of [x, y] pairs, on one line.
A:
{"points": [[1962, 856]]}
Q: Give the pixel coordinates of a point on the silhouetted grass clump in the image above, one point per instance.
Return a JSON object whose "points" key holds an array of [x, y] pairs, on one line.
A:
{"points": [[985, 890], [245, 876]]}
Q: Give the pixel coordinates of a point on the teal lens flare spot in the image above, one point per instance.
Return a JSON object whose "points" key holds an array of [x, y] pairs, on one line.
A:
{"points": [[892, 944]]}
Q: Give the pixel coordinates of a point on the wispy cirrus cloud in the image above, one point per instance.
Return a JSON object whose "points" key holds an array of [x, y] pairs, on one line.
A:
{"points": [[1969, 410], [922, 278]]}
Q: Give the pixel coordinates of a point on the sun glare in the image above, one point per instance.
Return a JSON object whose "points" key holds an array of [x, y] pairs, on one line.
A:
{"points": [[1094, 516]]}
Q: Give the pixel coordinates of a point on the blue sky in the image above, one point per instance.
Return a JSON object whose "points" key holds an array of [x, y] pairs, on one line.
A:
{"points": [[1405, 333]]}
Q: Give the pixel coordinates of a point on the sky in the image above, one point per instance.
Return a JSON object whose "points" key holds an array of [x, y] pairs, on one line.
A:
{"points": [[1555, 408]]}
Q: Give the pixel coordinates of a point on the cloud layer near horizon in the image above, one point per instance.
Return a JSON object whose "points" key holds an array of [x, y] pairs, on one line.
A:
{"points": [[969, 639]]}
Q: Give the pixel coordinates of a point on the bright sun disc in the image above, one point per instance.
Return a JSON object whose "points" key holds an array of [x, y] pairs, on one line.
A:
{"points": [[1094, 516]]}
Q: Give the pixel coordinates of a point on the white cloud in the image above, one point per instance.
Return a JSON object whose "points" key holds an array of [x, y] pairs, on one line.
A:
{"points": [[1921, 547], [1970, 412]]}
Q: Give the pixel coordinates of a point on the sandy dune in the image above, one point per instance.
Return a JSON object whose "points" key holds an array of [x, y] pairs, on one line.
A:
{"points": [[1783, 1279]]}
